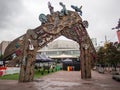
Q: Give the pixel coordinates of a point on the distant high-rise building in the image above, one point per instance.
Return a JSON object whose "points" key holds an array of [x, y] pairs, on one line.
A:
{"points": [[3, 46]]}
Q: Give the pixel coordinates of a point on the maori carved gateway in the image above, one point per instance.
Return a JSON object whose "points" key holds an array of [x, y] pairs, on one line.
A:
{"points": [[70, 25]]}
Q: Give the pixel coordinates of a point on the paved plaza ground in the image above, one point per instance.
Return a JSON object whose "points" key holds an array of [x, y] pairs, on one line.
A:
{"points": [[64, 80]]}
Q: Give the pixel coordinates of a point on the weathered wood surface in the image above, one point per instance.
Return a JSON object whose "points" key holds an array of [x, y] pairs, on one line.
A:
{"points": [[70, 26], [28, 60]]}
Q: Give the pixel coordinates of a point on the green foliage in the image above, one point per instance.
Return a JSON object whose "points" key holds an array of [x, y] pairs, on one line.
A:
{"points": [[39, 73], [10, 77], [109, 55], [16, 76], [101, 56]]}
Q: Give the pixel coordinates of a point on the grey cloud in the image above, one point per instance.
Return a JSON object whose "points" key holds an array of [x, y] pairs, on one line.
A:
{"points": [[16, 16], [103, 15], [8, 10]]}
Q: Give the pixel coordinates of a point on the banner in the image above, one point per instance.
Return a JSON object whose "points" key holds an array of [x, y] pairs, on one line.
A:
{"points": [[118, 34]]}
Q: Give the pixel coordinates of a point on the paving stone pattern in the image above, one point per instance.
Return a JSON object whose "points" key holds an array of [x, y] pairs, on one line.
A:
{"points": [[64, 80]]}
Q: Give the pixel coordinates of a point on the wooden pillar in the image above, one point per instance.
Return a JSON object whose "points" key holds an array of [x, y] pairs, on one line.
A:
{"points": [[85, 60], [28, 60]]}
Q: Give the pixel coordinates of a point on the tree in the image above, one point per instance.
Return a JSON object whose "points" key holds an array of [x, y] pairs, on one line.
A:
{"points": [[109, 54], [101, 56]]}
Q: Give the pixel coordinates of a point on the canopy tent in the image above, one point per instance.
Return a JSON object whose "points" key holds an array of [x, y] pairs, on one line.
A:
{"points": [[42, 58], [67, 60], [63, 56], [44, 62], [74, 65]]}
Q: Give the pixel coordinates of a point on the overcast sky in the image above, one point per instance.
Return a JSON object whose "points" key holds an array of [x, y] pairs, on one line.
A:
{"points": [[16, 16]]}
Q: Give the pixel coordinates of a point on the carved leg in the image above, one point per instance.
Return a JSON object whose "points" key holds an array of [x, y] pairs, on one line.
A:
{"points": [[28, 60], [85, 62]]}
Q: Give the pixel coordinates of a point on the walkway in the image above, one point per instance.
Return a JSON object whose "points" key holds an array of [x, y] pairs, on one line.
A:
{"points": [[64, 80]]}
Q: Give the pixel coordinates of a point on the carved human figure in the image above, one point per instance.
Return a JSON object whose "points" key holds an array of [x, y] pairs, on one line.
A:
{"points": [[31, 47], [77, 9], [51, 8], [43, 18], [56, 20], [64, 10]]}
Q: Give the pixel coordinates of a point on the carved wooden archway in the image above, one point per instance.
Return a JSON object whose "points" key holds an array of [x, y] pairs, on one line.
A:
{"points": [[70, 26]]}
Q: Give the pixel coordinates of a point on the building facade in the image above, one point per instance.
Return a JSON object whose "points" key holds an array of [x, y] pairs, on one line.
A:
{"points": [[3, 46], [65, 48]]}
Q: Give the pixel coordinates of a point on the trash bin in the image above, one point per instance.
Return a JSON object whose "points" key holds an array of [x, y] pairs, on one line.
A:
{"points": [[68, 68], [57, 68], [71, 68]]}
